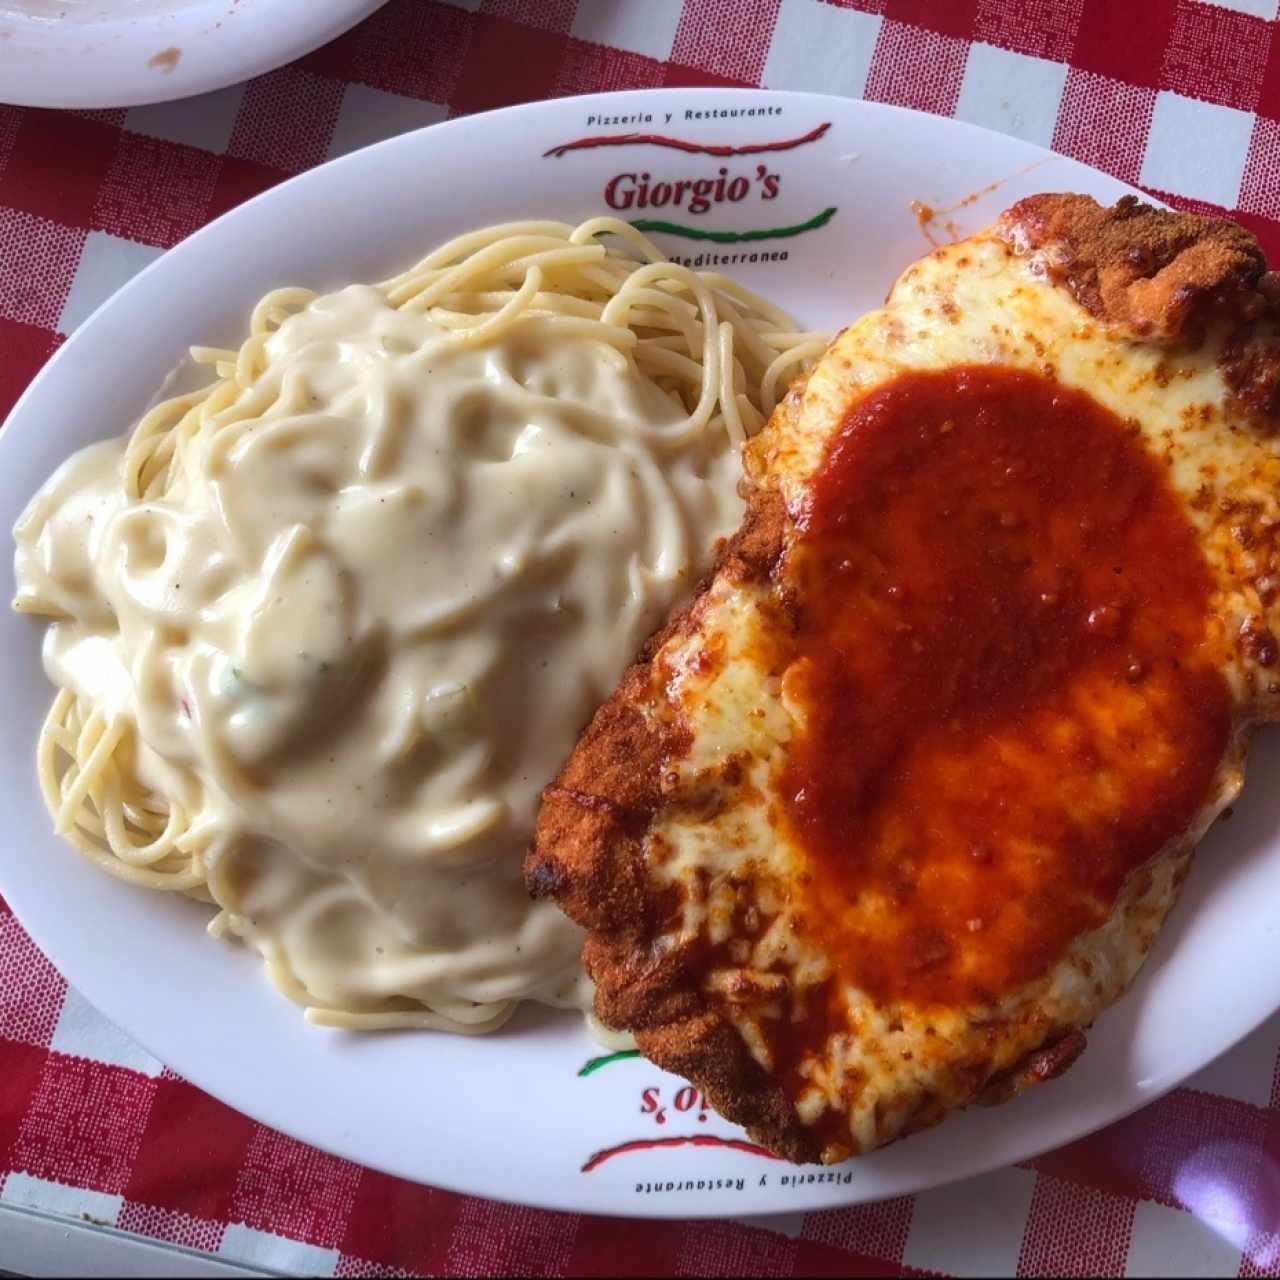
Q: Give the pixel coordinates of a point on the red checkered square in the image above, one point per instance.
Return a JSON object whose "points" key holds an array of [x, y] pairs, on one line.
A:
{"points": [[37, 264], [56, 164], [362, 1269], [505, 64], [103, 115], [192, 1154], [813, 1259], [171, 1226], [1260, 193], [548, 15], [1174, 1149], [1104, 123], [1075, 1232], [1216, 54], [238, 181], [414, 48], [505, 1239], [286, 120], [32, 991], [294, 1190], [393, 1223], [955, 18], [1269, 91], [593, 68], [916, 68], [728, 38], [10, 119], [84, 1124], [1124, 41], [677, 76], [1203, 207], [156, 192], [874, 1230], [337, 59], [1260, 1203], [653, 1252], [1040, 28], [731, 1249], [26, 347], [1260, 1255], [21, 1067]]}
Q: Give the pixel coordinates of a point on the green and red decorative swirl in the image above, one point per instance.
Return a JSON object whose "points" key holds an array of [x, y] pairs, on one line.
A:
{"points": [[735, 237], [691, 1140], [593, 1065], [683, 144]]}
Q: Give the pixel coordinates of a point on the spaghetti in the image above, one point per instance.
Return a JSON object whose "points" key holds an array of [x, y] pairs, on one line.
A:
{"points": [[338, 615]]}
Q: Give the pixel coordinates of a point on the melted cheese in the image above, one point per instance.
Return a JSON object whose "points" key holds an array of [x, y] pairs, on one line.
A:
{"points": [[891, 1065]]}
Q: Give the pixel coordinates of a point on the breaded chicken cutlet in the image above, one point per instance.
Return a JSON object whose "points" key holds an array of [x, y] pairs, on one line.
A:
{"points": [[884, 818]]}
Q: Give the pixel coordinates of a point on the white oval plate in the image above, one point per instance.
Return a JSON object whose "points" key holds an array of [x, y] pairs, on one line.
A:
{"points": [[123, 53], [511, 1115]]}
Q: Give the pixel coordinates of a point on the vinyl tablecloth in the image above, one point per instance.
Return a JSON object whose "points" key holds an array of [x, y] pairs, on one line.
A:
{"points": [[1181, 97]]}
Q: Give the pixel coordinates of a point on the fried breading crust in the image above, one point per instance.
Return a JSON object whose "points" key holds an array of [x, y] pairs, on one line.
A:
{"points": [[1147, 272], [1155, 273], [588, 854]]}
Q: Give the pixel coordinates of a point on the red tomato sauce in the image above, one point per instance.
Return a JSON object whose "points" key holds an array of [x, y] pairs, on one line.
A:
{"points": [[1006, 674]]}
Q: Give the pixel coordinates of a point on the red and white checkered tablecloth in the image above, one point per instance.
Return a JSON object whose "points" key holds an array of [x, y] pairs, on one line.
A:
{"points": [[1181, 97]]}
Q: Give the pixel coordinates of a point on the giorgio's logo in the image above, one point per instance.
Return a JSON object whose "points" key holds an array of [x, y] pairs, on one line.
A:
{"points": [[657, 1106], [698, 193], [626, 189], [686, 1100]]}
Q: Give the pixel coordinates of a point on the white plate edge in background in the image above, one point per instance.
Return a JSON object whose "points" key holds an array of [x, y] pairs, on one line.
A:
{"points": [[128, 61]]}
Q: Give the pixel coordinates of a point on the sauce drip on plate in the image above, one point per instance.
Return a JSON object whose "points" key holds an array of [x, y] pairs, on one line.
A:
{"points": [[1004, 677]]}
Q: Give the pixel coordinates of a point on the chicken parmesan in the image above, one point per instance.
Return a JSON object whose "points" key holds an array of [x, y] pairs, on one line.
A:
{"points": [[883, 819]]}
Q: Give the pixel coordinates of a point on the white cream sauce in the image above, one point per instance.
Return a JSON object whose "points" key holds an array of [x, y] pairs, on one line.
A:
{"points": [[361, 632]]}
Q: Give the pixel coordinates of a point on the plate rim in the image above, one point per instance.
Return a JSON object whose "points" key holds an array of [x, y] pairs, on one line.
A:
{"points": [[1140, 1093]]}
